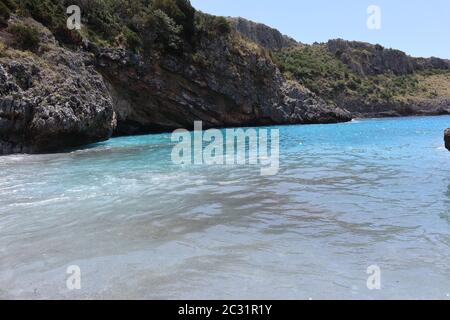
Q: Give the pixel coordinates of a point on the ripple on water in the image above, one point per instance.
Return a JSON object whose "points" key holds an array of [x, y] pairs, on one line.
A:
{"points": [[347, 196]]}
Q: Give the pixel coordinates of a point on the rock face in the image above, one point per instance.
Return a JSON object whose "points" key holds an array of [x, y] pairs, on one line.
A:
{"points": [[367, 59], [261, 34], [234, 86], [57, 98], [447, 139], [51, 101]]}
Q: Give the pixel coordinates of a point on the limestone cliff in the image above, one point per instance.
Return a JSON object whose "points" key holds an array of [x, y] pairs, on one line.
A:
{"points": [[165, 75], [234, 86], [261, 34], [51, 101], [367, 59], [370, 80]]}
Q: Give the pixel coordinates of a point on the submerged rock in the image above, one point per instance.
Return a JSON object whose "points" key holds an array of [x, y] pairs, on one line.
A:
{"points": [[447, 139]]}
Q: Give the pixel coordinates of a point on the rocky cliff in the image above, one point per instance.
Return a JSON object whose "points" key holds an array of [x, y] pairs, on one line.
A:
{"points": [[410, 86], [234, 86], [51, 101], [160, 78], [370, 80], [261, 34], [366, 59]]}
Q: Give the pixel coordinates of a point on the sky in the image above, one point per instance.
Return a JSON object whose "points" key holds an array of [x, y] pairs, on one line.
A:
{"points": [[421, 28]]}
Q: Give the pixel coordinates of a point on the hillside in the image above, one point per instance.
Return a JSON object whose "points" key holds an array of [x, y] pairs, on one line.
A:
{"points": [[142, 66], [369, 80]]}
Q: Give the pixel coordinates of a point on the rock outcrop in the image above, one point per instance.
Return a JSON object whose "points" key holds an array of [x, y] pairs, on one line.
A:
{"points": [[51, 101], [366, 59], [261, 34], [447, 139], [221, 84]]}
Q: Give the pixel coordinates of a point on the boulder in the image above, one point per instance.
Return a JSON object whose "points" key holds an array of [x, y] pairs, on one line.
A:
{"points": [[447, 139]]}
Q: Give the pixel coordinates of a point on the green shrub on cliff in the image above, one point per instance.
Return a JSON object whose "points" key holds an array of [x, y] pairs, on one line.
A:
{"points": [[48, 12], [132, 40], [6, 8], [167, 32], [26, 37], [52, 14], [317, 69], [4, 15], [323, 73], [180, 11], [136, 24], [211, 26], [3, 49], [170, 21]]}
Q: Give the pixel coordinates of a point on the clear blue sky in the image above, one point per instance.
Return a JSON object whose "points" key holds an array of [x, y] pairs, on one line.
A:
{"points": [[419, 27]]}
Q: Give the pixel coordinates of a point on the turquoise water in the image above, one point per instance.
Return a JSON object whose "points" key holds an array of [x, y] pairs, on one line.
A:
{"points": [[347, 196]]}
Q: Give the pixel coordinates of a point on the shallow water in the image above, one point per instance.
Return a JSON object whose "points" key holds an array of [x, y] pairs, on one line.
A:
{"points": [[347, 196]]}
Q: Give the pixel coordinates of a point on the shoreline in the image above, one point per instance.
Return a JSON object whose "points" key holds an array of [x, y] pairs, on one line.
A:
{"points": [[90, 145]]}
